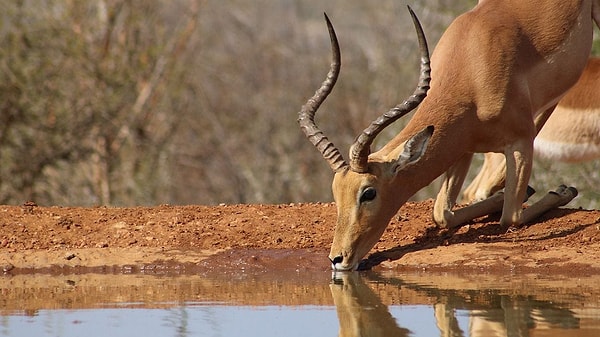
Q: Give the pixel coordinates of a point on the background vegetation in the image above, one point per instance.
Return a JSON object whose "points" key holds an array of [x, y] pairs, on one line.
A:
{"points": [[119, 102]]}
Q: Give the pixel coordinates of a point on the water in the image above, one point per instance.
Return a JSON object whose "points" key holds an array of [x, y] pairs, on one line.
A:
{"points": [[299, 304]]}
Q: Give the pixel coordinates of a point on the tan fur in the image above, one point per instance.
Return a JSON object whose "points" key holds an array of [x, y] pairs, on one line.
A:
{"points": [[497, 71], [571, 134]]}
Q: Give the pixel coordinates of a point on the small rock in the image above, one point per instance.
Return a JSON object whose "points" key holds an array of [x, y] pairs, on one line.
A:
{"points": [[120, 225]]}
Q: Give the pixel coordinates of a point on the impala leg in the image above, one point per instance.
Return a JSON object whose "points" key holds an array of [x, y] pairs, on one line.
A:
{"points": [[562, 196], [446, 198], [541, 119], [518, 169], [489, 180], [445, 319], [510, 201], [518, 166], [468, 195], [487, 206], [491, 176]]}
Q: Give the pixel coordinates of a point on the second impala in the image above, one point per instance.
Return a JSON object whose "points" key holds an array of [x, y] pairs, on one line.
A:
{"points": [[496, 74]]}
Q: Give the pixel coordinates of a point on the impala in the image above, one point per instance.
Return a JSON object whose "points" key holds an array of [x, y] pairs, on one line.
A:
{"points": [[360, 310], [571, 134], [496, 74]]}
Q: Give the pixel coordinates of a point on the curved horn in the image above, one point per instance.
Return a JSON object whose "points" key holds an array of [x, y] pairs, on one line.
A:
{"points": [[360, 150], [307, 115]]}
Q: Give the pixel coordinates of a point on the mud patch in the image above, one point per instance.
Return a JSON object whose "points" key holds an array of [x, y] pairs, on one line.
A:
{"points": [[265, 260]]}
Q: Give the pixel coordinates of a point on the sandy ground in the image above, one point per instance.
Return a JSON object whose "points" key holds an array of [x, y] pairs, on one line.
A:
{"points": [[294, 236]]}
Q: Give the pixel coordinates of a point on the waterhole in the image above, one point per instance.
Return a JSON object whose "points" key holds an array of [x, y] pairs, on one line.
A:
{"points": [[295, 303]]}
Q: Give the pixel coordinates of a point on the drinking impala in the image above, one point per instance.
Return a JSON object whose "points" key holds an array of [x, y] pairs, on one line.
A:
{"points": [[496, 74]]}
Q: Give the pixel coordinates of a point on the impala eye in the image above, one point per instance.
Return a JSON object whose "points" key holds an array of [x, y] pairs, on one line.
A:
{"points": [[368, 195]]}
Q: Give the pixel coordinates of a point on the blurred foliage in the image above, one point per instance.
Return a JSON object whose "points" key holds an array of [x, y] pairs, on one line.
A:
{"points": [[596, 43], [117, 102], [87, 92]]}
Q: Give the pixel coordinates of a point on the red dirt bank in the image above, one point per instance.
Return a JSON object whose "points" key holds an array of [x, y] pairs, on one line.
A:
{"points": [[282, 236]]}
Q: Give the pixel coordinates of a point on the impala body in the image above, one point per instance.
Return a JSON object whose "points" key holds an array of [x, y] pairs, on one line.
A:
{"points": [[572, 133], [496, 74]]}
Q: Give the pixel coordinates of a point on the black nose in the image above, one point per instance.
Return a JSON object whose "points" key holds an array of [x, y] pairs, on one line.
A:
{"points": [[337, 259]]}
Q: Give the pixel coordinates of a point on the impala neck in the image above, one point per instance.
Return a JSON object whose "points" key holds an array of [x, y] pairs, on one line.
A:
{"points": [[450, 141]]}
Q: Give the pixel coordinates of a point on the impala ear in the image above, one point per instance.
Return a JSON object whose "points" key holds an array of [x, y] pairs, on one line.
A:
{"points": [[414, 148]]}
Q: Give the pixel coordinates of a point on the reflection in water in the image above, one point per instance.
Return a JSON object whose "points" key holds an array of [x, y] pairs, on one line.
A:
{"points": [[300, 304], [360, 310], [491, 312], [509, 317], [179, 318]]}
